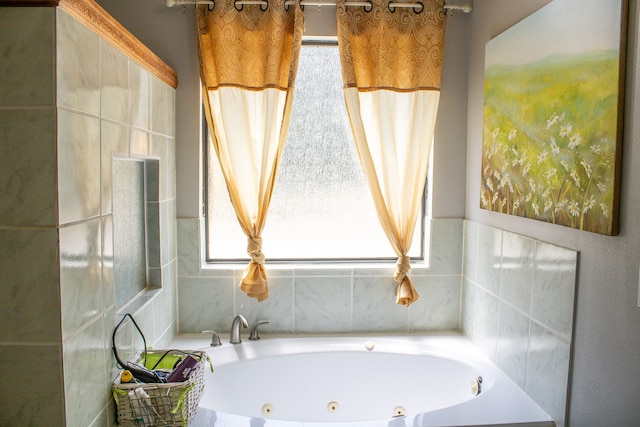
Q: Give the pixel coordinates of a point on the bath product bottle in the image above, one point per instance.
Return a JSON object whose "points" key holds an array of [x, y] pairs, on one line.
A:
{"points": [[126, 376], [181, 372]]}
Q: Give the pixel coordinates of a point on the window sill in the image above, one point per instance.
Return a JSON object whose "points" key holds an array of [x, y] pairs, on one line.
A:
{"points": [[420, 266]]}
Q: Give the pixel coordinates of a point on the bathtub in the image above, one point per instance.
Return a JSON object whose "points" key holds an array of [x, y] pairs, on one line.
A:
{"points": [[358, 381]]}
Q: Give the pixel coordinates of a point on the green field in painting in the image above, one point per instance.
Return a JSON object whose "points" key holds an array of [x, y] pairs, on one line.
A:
{"points": [[549, 144]]}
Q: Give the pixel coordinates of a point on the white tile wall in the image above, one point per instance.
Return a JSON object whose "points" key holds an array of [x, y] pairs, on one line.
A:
{"points": [[519, 309], [316, 300], [69, 101]]}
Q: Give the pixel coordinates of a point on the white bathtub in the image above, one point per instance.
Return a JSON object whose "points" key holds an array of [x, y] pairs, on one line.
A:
{"points": [[372, 381]]}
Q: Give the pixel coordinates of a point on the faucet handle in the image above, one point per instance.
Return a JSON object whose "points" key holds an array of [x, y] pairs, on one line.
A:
{"points": [[254, 330], [215, 338]]}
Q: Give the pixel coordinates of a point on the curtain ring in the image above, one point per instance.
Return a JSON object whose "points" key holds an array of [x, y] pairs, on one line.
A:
{"points": [[211, 6], [391, 7], [235, 5], [370, 7], [266, 6], [418, 10]]}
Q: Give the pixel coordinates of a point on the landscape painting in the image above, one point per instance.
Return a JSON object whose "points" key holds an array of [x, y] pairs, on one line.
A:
{"points": [[553, 98]]}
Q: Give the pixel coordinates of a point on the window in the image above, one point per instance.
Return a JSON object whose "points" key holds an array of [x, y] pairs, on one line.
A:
{"points": [[322, 208]]}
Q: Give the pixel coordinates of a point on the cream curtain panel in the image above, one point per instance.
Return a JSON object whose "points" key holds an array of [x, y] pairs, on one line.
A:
{"points": [[248, 62], [391, 66]]}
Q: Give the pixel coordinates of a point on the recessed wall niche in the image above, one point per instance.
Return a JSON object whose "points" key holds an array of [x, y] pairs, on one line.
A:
{"points": [[135, 227]]}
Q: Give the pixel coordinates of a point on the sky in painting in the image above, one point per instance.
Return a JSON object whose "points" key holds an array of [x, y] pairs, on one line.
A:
{"points": [[561, 27]]}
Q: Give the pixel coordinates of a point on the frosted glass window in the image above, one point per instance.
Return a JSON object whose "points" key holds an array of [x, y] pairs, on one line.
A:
{"points": [[321, 208]]}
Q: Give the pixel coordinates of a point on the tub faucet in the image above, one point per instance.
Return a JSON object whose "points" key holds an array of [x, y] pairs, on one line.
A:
{"points": [[254, 331], [235, 328], [215, 338]]}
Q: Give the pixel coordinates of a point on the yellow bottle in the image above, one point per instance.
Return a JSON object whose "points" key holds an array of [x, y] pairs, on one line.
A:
{"points": [[126, 376]]}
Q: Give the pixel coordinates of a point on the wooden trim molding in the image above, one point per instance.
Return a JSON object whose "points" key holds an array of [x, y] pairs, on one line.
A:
{"points": [[89, 13]]}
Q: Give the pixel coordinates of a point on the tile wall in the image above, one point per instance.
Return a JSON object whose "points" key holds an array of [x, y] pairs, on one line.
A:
{"points": [[69, 101], [517, 305], [315, 299]]}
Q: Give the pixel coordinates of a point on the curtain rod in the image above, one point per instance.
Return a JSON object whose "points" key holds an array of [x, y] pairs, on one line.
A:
{"points": [[466, 8]]}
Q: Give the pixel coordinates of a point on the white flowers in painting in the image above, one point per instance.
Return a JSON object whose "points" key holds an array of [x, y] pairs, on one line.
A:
{"points": [[565, 130], [575, 141], [587, 168], [542, 156], [557, 171]]}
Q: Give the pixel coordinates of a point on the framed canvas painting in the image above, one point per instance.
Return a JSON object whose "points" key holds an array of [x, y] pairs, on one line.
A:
{"points": [[553, 115]]}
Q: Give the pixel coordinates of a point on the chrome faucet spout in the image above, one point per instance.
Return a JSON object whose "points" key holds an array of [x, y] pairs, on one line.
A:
{"points": [[235, 328]]}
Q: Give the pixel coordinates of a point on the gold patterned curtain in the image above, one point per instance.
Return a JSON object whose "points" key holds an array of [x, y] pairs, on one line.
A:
{"points": [[248, 62], [391, 66]]}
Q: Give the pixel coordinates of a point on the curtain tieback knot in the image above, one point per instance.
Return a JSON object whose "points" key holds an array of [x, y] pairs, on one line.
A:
{"points": [[254, 249], [402, 268]]}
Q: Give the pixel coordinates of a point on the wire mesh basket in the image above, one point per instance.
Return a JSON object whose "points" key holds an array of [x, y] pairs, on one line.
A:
{"points": [[161, 404], [141, 401]]}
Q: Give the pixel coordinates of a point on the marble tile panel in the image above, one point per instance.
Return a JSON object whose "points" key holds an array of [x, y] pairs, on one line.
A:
{"points": [[205, 303], [470, 251], [128, 230], [554, 287], [171, 112], [152, 179], [513, 340], [109, 319], [114, 142], [364, 271], [223, 273], [29, 287], [277, 309], [489, 258], [114, 90], [108, 290], [485, 322], [78, 65], [35, 396], [438, 308], [154, 277], [146, 320], [139, 96], [548, 372], [154, 259], [323, 272], [322, 304], [374, 306], [159, 103], [170, 186], [85, 356], [277, 272], [164, 302], [27, 57], [468, 303], [78, 166], [80, 274], [160, 148], [139, 143], [189, 247], [446, 246], [168, 231], [27, 144], [516, 276], [106, 417]]}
